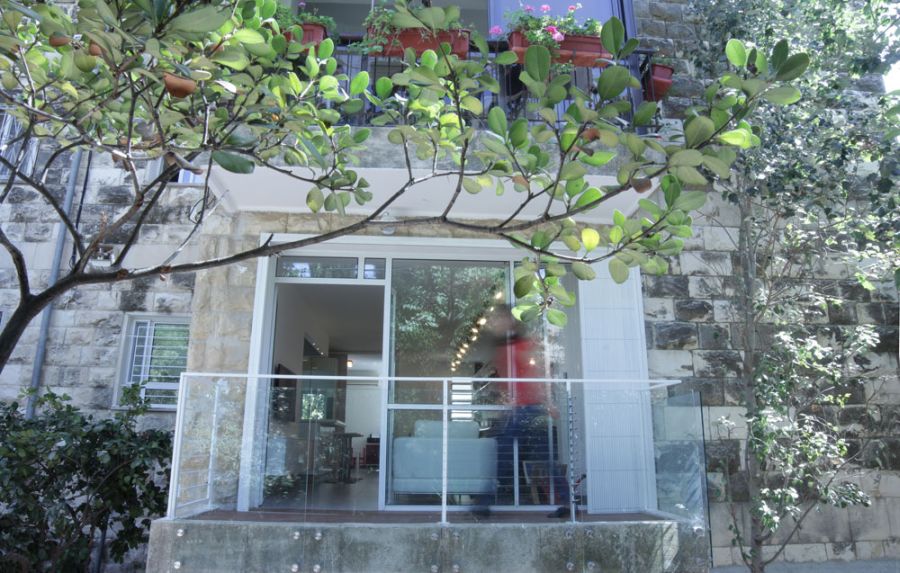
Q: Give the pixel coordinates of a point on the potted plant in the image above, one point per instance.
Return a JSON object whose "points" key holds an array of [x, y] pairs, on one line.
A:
{"points": [[315, 26], [658, 79], [384, 37], [570, 42]]}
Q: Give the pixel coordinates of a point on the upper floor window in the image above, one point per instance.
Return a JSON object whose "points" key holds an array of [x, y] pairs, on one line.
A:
{"points": [[156, 349], [10, 129]]}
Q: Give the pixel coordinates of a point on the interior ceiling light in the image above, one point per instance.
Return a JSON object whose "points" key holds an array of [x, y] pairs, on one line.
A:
{"points": [[349, 363], [482, 321], [499, 295]]}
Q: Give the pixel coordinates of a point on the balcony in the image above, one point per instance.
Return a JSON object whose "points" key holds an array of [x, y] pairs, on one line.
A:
{"points": [[270, 473], [268, 190]]}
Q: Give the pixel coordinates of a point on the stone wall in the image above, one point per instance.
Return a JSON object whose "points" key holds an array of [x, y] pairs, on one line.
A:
{"points": [[85, 338]]}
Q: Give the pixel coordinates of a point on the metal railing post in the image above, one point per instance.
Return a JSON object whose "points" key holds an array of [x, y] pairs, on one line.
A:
{"points": [[445, 443], [570, 409]]}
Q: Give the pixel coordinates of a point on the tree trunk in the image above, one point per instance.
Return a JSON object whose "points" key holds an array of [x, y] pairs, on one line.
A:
{"points": [[746, 248]]}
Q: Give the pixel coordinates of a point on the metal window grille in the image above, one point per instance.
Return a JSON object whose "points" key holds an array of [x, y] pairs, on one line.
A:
{"points": [[157, 356], [10, 128]]}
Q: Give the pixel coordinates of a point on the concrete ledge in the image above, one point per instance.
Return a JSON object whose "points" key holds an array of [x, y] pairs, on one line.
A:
{"points": [[862, 566], [622, 547]]}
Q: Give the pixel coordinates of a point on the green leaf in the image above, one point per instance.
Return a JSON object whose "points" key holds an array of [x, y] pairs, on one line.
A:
{"points": [[737, 137], [249, 36], [717, 166], [698, 130], [782, 95], [523, 286], [590, 238], [315, 199], [736, 53], [690, 200], [598, 158], [793, 67], [403, 19], [779, 54], [203, 20], [618, 270], [232, 162], [590, 196], [690, 175], [518, 132], [471, 185], [472, 104], [644, 114], [506, 58], [326, 48], [383, 87], [537, 62], [612, 35], [690, 157], [583, 271], [572, 243], [359, 83], [572, 170], [497, 121], [557, 317], [612, 81]]}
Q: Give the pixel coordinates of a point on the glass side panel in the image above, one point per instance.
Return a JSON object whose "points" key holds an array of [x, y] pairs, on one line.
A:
{"points": [[317, 267]]}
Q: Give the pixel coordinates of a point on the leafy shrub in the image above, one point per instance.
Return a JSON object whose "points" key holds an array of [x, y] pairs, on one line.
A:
{"points": [[66, 476]]}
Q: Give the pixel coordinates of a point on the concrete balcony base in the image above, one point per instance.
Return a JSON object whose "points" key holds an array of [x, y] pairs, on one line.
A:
{"points": [[187, 545]]}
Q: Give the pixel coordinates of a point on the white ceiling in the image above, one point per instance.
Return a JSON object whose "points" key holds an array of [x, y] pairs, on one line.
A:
{"points": [[351, 314]]}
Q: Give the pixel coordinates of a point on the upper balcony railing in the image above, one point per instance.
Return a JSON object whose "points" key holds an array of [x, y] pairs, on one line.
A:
{"points": [[512, 96], [442, 450]]}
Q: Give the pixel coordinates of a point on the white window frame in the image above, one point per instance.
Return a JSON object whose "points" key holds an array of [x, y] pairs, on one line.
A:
{"points": [[10, 128], [128, 350]]}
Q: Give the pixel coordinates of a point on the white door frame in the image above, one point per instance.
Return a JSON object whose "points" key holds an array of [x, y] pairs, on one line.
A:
{"points": [[263, 330]]}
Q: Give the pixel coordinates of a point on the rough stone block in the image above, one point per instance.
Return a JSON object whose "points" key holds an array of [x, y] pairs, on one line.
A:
{"points": [[665, 285], [675, 335], [658, 309], [693, 310], [670, 363], [717, 363], [705, 263], [666, 11]]}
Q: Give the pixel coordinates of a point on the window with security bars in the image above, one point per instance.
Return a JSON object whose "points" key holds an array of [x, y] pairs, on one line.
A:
{"points": [[157, 355], [10, 129]]}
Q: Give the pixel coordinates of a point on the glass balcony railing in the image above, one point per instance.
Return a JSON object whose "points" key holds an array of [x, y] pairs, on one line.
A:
{"points": [[512, 96], [362, 449]]}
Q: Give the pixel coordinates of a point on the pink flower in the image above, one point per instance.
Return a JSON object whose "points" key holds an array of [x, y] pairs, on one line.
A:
{"points": [[558, 37], [495, 30], [552, 29], [572, 8], [545, 8], [528, 8]]}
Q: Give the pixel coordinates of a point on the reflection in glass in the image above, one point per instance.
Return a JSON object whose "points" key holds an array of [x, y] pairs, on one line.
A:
{"points": [[317, 267]]}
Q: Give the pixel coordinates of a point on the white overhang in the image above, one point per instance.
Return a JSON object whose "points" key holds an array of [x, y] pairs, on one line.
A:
{"points": [[267, 190]]}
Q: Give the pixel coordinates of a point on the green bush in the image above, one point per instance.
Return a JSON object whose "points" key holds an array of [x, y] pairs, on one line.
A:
{"points": [[67, 477]]}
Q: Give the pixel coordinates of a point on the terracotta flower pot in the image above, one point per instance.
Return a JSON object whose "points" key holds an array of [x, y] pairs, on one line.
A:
{"points": [[581, 51], [420, 41], [658, 83], [313, 34], [178, 86]]}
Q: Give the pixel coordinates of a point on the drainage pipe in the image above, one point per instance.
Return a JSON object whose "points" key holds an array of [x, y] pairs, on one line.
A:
{"points": [[41, 351]]}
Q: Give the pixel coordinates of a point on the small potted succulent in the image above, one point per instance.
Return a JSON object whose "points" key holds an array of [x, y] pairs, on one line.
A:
{"points": [[385, 37], [658, 80], [315, 26], [571, 42]]}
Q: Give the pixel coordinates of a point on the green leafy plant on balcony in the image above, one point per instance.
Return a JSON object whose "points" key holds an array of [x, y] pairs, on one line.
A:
{"points": [[286, 18], [548, 30], [386, 22]]}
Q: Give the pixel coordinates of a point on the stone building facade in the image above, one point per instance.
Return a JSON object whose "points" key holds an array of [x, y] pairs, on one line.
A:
{"points": [[690, 327]]}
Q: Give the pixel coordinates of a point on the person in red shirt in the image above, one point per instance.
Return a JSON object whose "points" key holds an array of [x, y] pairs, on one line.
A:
{"points": [[528, 421]]}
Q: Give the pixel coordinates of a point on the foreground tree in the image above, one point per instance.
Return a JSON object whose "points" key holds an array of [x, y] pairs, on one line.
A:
{"points": [[219, 83], [824, 193]]}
